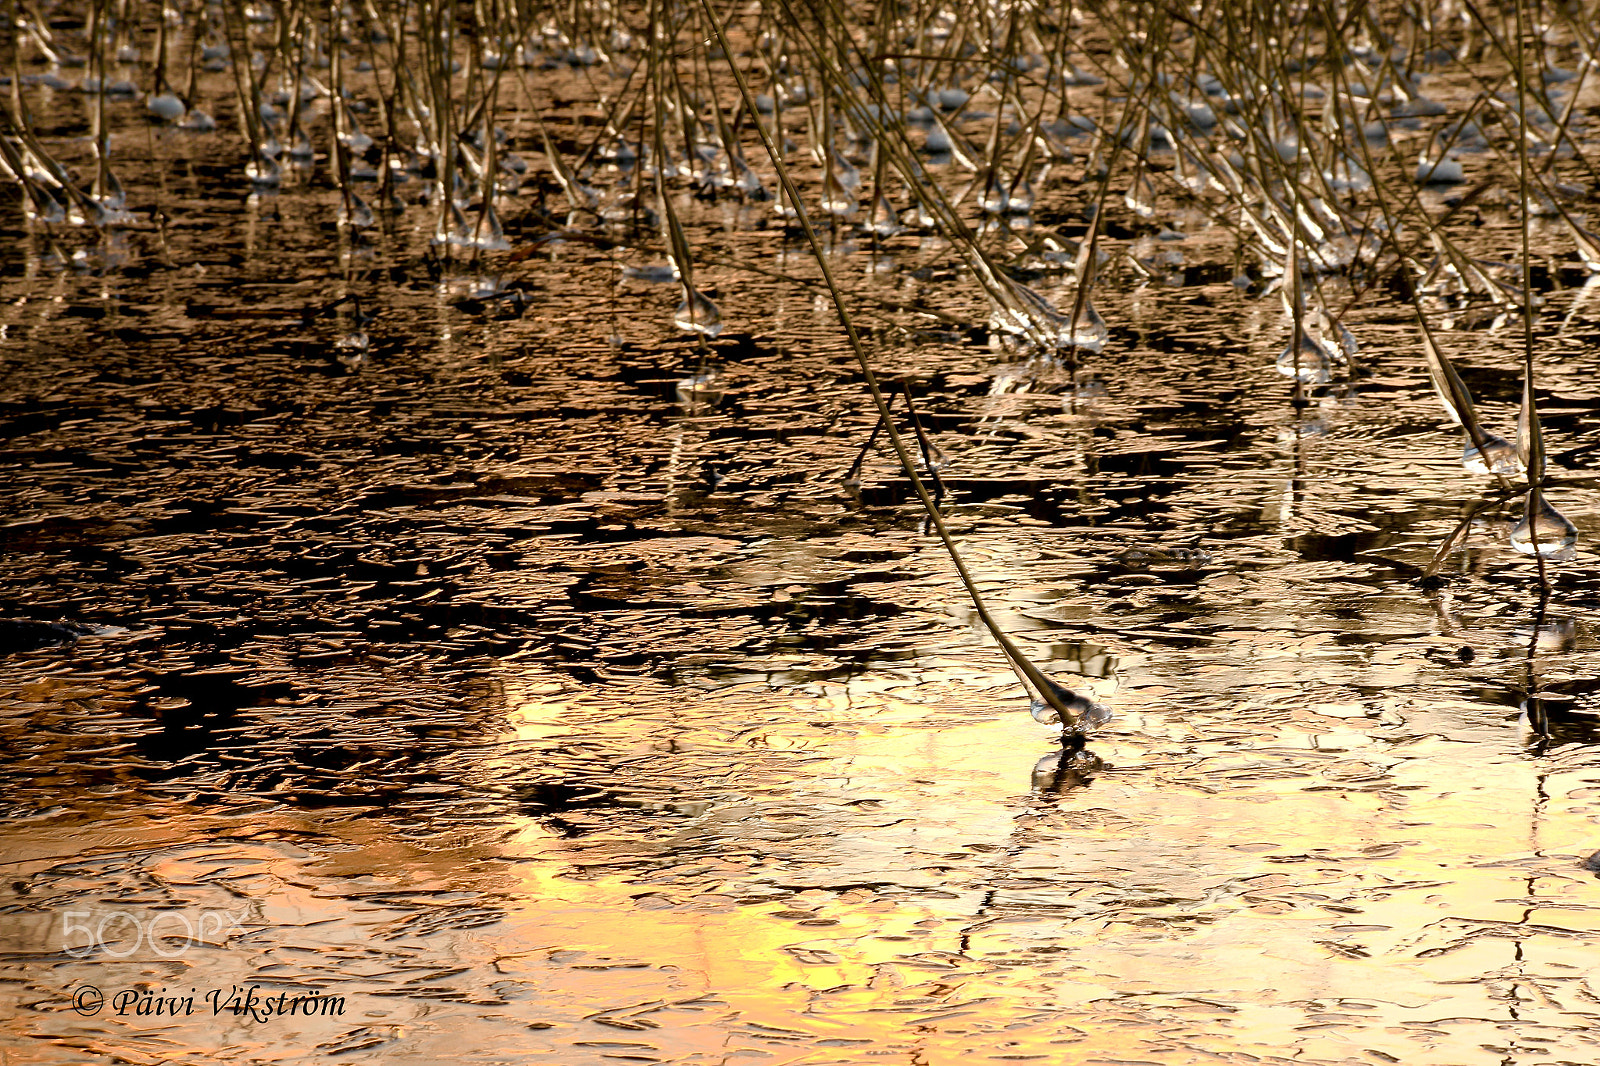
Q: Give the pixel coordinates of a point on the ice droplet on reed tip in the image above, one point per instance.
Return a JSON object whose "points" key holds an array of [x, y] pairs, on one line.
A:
{"points": [[697, 314], [1543, 530], [885, 221], [1086, 714], [1314, 366], [1499, 456]]}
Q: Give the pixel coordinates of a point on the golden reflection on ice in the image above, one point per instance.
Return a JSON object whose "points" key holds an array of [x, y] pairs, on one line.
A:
{"points": [[1386, 895], [845, 870]]}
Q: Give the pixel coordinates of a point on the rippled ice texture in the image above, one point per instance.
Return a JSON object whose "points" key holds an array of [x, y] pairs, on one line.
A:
{"points": [[546, 710]]}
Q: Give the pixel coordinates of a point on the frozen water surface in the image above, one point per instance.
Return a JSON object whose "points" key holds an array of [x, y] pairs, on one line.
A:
{"points": [[531, 681]]}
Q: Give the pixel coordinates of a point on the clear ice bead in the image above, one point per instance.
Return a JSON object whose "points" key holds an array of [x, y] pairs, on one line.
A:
{"points": [[697, 314], [1543, 530], [1501, 456]]}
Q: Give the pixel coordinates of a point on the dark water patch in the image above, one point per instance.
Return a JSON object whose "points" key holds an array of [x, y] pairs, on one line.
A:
{"points": [[23, 634]]}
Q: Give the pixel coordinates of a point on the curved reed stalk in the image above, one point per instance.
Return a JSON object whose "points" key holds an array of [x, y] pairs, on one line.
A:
{"points": [[1031, 676]]}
